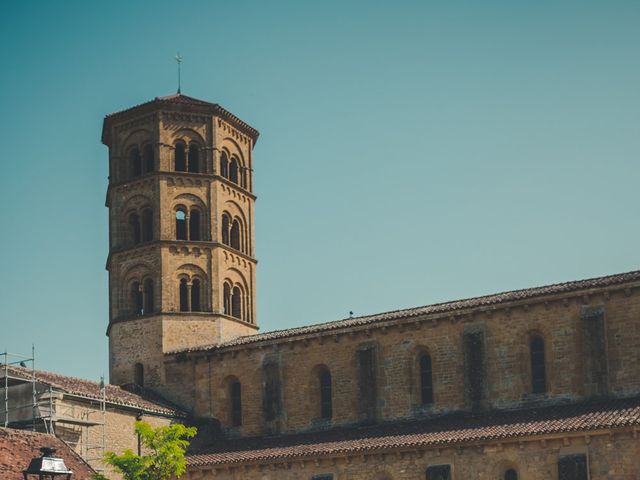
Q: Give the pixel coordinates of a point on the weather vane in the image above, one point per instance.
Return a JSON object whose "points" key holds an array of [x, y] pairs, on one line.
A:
{"points": [[179, 60]]}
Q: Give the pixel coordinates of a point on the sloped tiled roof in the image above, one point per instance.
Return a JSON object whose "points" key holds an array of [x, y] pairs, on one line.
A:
{"points": [[18, 447], [449, 430], [180, 99], [438, 308], [144, 400]]}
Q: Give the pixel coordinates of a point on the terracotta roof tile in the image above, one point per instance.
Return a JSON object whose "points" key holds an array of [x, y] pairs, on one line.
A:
{"points": [[447, 430], [114, 394], [438, 308], [18, 447]]}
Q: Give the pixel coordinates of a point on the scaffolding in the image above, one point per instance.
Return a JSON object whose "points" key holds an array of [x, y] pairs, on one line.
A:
{"points": [[80, 420]]}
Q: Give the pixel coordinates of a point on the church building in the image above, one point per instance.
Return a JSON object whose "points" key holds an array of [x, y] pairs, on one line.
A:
{"points": [[534, 384]]}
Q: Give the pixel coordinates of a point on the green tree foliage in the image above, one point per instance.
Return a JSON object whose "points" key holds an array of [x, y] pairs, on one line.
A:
{"points": [[165, 447]]}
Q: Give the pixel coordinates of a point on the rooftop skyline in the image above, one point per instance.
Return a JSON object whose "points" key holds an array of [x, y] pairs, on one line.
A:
{"points": [[408, 155]]}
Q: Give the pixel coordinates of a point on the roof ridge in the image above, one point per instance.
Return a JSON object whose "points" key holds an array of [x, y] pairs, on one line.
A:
{"points": [[459, 303]]}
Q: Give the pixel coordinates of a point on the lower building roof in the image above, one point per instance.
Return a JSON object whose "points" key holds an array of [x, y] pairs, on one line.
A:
{"points": [[445, 431], [18, 447], [140, 399]]}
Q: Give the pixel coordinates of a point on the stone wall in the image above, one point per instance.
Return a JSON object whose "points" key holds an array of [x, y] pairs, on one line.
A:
{"points": [[609, 456], [506, 381]]}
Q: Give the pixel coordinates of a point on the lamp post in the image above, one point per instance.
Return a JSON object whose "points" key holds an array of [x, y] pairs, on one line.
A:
{"points": [[47, 467]]}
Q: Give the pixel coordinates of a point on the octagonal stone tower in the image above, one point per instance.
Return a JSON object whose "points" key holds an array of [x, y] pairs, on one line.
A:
{"points": [[181, 241]]}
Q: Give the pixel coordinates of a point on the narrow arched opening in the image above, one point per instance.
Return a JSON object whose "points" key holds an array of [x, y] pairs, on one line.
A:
{"points": [[180, 161], [184, 295], [236, 302], [538, 373], [235, 234], [426, 379], [147, 225], [235, 396], [138, 374], [326, 406], [181, 224], [224, 164], [194, 225], [511, 474], [134, 228], [148, 296], [196, 295], [233, 170], [148, 160], [226, 220], [226, 297], [194, 158], [136, 162], [137, 299]]}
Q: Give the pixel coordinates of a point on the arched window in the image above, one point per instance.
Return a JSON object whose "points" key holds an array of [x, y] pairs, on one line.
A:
{"points": [[235, 395], [195, 296], [233, 170], [194, 225], [326, 408], [147, 225], [511, 474], [148, 296], [136, 298], [226, 220], [538, 376], [227, 298], [224, 164], [243, 177], [181, 224], [235, 234], [180, 158], [236, 302], [426, 382], [138, 374], [194, 158], [147, 156], [184, 296], [136, 162], [134, 227]]}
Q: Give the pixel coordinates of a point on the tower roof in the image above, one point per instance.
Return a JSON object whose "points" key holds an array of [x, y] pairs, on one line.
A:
{"points": [[178, 102]]}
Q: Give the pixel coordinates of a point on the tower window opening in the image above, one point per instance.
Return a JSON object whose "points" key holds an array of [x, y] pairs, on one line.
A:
{"points": [[147, 156], [148, 296], [134, 227], [194, 225], [235, 394], [180, 159], [243, 177], [326, 407], [194, 158], [538, 376], [511, 474], [181, 225], [439, 472], [426, 381], [226, 221], [136, 162], [137, 299], [195, 296], [147, 225], [184, 296], [233, 170], [235, 234], [227, 298], [224, 164], [138, 374], [236, 302]]}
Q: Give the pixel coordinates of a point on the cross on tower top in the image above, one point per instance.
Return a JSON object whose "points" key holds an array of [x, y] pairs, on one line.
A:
{"points": [[178, 58]]}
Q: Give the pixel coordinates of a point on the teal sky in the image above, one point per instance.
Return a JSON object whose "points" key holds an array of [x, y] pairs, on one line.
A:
{"points": [[410, 152]]}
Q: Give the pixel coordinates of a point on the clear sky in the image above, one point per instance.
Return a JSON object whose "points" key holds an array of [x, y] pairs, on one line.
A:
{"points": [[410, 152]]}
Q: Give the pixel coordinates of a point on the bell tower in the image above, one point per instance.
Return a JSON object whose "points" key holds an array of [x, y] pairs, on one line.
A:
{"points": [[181, 242]]}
